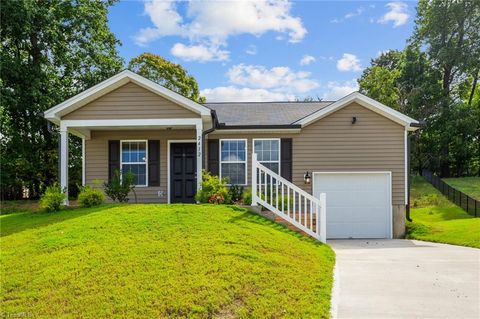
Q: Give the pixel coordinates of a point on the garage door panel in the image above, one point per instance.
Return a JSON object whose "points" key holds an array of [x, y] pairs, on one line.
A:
{"points": [[348, 215], [356, 198], [360, 230], [358, 204]]}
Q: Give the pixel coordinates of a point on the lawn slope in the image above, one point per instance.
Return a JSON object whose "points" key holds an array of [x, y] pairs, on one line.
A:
{"points": [[467, 185], [168, 261], [437, 219]]}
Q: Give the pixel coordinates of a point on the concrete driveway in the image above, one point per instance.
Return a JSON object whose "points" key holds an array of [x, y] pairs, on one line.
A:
{"points": [[405, 279]]}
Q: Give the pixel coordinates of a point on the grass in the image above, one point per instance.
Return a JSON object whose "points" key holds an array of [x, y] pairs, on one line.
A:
{"points": [[162, 261], [467, 185], [437, 219]]}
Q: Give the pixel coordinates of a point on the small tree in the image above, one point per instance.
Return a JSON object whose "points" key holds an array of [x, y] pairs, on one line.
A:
{"points": [[120, 186]]}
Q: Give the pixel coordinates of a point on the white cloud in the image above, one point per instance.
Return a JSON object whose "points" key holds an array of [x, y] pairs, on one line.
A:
{"points": [[215, 21], [165, 18], [356, 13], [349, 62], [258, 83], [349, 15], [307, 59], [235, 94], [337, 90], [397, 14], [199, 52], [251, 50], [280, 78]]}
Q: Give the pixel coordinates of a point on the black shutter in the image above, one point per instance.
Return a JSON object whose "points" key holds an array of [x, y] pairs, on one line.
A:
{"points": [[286, 158], [153, 163], [113, 158], [213, 157]]}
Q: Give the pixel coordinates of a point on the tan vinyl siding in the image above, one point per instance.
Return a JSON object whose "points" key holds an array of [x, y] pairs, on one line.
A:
{"points": [[374, 143], [130, 101], [96, 153]]}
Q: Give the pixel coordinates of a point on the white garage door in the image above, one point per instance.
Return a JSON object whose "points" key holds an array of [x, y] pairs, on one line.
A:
{"points": [[358, 204]]}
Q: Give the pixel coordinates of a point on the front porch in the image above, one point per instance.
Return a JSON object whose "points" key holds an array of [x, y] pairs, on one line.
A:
{"points": [[155, 165]]}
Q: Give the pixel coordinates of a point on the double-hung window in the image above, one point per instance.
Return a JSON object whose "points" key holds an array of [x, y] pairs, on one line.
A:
{"points": [[134, 159], [268, 153], [233, 161]]}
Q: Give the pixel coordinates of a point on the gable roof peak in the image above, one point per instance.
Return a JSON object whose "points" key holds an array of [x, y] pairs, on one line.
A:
{"points": [[55, 113]]}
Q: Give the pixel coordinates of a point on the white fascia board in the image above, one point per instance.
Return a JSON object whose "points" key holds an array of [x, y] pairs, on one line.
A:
{"points": [[254, 131], [55, 113], [363, 100], [127, 122]]}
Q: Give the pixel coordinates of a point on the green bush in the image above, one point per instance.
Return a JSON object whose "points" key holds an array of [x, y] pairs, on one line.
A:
{"points": [[236, 193], [53, 198], [90, 197], [120, 186], [212, 185], [247, 196]]}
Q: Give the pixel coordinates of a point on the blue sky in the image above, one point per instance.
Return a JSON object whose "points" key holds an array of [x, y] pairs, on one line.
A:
{"points": [[265, 51]]}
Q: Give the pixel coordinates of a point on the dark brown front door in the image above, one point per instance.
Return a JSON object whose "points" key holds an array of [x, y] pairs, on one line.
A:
{"points": [[183, 167]]}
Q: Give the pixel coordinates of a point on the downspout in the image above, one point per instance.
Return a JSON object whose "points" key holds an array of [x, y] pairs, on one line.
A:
{"points": [[408, 178], [206, 132], [409, 138]]}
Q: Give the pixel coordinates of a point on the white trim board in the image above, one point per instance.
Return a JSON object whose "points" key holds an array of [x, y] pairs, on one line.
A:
{"points": [[365, 101], [55, 113], [168, 162], [389, 173], [127, 122]]}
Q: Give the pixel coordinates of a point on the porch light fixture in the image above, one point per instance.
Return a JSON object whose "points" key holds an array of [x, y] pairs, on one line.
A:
{"points": [[354, 120], [307, 178]]}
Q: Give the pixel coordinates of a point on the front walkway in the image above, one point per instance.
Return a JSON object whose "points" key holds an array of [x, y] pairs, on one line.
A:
{"points": [[405, 279]]}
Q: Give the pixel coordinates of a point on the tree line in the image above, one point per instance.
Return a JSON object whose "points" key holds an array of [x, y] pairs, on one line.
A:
{"points": [[435, 79]]}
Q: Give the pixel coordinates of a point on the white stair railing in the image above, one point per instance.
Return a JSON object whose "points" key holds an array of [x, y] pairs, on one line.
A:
{"points": [[288, 201]]}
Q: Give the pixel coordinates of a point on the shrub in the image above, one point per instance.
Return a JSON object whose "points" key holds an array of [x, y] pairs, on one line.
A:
{"points": [[120, 186], [216, 199], [236, 193], [90, 197], [53, 198], [212, 185], [247, 196]]}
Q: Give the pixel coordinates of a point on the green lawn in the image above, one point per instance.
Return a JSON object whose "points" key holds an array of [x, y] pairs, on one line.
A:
{"points": [[467, 185], [437, 219], [167, 261]]}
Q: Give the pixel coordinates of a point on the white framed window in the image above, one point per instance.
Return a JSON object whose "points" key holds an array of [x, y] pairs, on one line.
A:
{"points": [[268, 152], [233, 161], [133, 158]]}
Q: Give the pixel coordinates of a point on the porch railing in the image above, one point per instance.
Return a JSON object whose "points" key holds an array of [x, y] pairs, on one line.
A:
{"points": [[288, 201]]}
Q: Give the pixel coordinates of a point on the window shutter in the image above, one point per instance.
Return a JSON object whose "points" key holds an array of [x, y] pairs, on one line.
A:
{"points": [[286, 158], [153, 163], [213, 157], [113, 158]]}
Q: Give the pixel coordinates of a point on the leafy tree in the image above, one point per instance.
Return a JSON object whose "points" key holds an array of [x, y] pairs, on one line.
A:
{"points": [[170, 75], [51, 50]]}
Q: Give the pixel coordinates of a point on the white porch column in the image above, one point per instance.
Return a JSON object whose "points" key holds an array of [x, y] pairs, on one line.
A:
{"points": [[83, 162], [64, 161], [199, 128]]}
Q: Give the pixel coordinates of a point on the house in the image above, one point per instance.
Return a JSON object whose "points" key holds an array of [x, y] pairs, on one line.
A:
{"points": [[354, 150]]}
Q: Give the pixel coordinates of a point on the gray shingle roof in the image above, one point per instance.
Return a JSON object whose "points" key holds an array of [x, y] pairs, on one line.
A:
{"points": [[264, 113]]}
